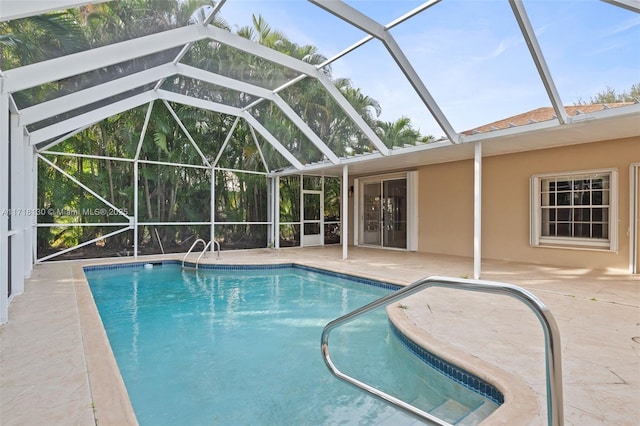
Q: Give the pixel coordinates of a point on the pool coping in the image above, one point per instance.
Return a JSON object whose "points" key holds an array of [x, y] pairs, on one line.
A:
{"points": [[111, 403]]}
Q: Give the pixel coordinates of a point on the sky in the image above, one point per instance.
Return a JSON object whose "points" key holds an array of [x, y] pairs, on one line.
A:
{"points": [[470, 54]]}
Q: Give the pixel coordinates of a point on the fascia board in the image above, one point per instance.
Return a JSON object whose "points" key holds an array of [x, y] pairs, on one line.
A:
{"points": [[511, 131], [88, 96], [94, 116], [626, 111], [78, 63], [608, 113]]}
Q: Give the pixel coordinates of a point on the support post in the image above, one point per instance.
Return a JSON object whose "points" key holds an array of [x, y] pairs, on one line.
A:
{"points": [[477, 210], [212, 206], [19, 207], [344, 228], [271, 211], [136, 178], [34, 203], [135, 207], [276, 218], [4, 207]]}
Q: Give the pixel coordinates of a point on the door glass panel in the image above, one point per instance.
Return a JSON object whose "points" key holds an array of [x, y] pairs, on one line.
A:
{"points": [[312, 211], [311, 207], [311, 228], [394, 205], [371, 208], [312, 183]]}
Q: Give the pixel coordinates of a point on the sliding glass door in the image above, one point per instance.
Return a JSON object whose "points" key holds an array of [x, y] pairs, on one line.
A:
{"points": [[394, 213], [384, 213]]}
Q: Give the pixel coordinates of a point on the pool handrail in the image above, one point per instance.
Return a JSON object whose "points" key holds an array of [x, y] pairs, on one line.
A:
{"points": [[553, 360], [204, 250], [215, 243]]}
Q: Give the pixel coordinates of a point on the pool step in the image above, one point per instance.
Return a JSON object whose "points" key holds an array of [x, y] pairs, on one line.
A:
{"points": [[478, 415], [448, 410], [445, 409], [451, 411]]}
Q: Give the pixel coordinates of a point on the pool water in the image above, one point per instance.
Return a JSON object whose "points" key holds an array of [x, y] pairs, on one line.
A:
{"points": [[242, 347]]}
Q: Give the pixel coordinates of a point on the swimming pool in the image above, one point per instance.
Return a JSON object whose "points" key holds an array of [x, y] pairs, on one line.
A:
{"points": [[240, 345]]}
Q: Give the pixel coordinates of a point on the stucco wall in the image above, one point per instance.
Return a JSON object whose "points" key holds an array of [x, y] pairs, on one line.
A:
{"points": [[445, 208], [446, 204]]}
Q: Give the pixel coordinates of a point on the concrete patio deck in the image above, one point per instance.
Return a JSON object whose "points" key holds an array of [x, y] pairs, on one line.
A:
{"points": [[56, 367]]}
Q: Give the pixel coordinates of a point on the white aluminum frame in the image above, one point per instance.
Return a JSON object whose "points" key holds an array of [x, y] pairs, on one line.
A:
{"points": [[634, 214], [23, 160]]}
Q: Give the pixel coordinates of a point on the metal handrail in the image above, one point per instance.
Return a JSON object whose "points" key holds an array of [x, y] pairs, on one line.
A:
{"points": [[551, 336], [204, 250], [199, 240], [217, 244]]}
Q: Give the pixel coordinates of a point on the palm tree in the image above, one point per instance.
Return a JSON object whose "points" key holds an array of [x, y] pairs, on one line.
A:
{"points": [[400, 133]]}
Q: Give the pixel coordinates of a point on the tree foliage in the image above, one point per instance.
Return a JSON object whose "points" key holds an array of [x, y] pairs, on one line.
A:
{"points": [[610, 95], [168, 193]]}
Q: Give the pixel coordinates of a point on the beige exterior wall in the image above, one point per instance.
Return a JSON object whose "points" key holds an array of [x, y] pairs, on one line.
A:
{"points": [[446, 204]]}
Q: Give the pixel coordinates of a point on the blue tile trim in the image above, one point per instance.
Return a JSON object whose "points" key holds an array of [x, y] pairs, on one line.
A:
{"points": [[190, 264], [458, 375], [243, 267], [367, 281], [126, 265], [455, 373], [355, 278]]}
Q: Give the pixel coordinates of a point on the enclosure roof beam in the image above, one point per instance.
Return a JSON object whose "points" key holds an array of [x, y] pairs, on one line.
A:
{"points": [[186, 133], [78, 99], [91, 117], [67, 66], [538, 58], [226, 141], [272, 140], [241, 43], [353, 114], [632, 5], [97, 93], [187, 47], [199, 103], [255, 141], [17, 9], [78, 63], [251, 89], [304, 128], [222, 81], [233, 111], [377, 30], [81, 98], [233, 40]]}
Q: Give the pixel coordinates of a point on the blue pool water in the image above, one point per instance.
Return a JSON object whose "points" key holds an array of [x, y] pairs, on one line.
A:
{"points": [[242, 347]]}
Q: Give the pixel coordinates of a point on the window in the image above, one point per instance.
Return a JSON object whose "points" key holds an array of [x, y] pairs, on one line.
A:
{"points": [[576, 210]]}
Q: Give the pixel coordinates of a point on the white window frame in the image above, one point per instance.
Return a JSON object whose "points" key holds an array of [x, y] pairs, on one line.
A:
{"points": [[538, 240]]}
